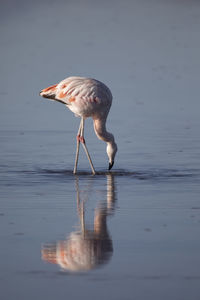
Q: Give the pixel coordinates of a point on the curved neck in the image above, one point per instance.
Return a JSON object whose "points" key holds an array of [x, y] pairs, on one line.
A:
{"points": [[101, 132]]}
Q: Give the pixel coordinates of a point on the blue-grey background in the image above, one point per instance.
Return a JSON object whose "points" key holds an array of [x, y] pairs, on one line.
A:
{"points": [[147, 52]]}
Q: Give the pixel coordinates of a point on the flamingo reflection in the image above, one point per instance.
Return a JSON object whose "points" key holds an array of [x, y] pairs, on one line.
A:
{"points": [[85, 249]]}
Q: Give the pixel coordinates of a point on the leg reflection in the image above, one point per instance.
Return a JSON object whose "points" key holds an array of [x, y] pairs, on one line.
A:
{"points": [[85, 249]]}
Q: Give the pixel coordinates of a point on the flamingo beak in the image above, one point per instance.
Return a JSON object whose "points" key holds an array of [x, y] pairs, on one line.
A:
{"points": [[110, 165]]}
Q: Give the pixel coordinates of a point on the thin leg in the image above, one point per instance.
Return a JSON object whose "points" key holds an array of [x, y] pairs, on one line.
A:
{"points": [[77, 147], [82, 218], [84, 146]]}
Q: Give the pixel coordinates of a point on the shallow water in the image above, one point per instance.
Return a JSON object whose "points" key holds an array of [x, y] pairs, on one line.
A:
{"points": [[133, 232], [115, 233]]}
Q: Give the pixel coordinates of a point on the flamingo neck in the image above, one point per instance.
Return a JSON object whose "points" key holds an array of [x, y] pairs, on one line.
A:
{"points": [[101, 132]]}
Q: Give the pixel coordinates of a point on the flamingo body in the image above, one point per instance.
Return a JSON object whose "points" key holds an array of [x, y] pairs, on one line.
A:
{"points": [[86, 97]]}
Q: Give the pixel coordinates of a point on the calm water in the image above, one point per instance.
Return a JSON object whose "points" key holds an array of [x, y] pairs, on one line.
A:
{"points": [[132, 233], [124, 233]]}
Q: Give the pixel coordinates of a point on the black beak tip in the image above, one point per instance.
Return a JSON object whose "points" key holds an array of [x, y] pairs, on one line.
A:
{"points": [[110, 165]]}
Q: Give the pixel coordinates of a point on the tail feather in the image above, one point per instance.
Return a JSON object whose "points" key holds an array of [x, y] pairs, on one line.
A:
{"points": [[50, 93], [50, 88]]}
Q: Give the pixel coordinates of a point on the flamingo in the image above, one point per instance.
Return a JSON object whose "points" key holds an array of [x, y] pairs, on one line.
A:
{"points": [[86, 97]]}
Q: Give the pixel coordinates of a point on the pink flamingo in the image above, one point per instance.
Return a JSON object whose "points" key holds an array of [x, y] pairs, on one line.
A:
{"points": [[86, 97]]}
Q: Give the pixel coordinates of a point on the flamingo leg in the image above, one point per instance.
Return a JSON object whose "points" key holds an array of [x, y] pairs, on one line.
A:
{"points": [[80, 207], [77, 147], [84, 145]]}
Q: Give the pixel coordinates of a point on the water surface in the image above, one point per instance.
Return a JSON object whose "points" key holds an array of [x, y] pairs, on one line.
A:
{"points": [[132, 233]]}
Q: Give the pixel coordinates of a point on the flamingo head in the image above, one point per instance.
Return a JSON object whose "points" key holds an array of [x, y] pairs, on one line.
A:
{"points": [[111, 152]]}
